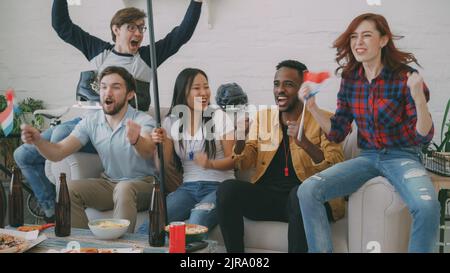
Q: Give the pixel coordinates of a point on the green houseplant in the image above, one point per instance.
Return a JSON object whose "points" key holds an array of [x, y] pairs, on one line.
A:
{"points": [[27, 108], [436, 156], [24, 114], [444, 146]]}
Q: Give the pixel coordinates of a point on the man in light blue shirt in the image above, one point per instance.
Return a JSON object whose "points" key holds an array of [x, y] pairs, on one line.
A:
{"points": [[119, 159], [122, 137]]}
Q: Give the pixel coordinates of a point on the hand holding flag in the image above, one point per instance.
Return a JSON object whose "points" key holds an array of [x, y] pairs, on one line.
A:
{"points": [[314, 82]]}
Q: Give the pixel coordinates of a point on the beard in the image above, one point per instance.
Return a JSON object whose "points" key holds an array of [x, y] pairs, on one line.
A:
{"points": [[291, 106], [116, 109]]}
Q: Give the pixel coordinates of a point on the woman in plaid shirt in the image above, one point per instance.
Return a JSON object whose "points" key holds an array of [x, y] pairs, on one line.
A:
{"points": [[388, 101]]}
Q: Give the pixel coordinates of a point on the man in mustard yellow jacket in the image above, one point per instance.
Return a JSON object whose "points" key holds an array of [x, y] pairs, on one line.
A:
{"points": [[281, 163]]}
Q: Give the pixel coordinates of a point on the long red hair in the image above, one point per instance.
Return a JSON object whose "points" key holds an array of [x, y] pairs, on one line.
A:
{"points": [[391, 57]]}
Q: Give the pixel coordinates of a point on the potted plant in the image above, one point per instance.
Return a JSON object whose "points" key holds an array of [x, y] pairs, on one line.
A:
{"points": [[27, 108], [445, 131], [436, 156], [444, 146], [24, 114]]}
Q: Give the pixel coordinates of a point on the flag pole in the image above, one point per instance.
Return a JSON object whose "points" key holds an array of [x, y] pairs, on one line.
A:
{"points": [[154, 66], [300, 130]]}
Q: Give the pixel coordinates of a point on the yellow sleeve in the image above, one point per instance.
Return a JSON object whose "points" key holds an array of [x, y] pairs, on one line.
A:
{"points": [[332, 153]]}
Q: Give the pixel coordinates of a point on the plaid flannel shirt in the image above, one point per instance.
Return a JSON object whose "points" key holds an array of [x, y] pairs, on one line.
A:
{"points": [[383, 109]]}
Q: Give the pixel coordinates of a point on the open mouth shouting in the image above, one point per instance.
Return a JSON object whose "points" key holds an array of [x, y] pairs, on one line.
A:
{"points": [[204, 101], [108, 102], [282, 101], [134, 44]]}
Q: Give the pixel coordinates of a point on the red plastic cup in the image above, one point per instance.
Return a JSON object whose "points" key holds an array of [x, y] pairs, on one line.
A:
{"points": [[177, 235]]}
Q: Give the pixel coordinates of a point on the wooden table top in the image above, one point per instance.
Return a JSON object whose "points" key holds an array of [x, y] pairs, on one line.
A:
{"points": [[439, 181], [87, 240]]}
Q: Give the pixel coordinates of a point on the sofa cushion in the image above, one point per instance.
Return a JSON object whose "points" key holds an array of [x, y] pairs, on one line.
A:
{"points": [[75, 166], [271, 236]]}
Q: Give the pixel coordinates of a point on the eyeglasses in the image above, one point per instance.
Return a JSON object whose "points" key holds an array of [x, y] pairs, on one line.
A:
{"points": [[133, 27]]}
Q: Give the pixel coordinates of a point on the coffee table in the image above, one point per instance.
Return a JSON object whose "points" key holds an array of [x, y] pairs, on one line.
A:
{"points": [[87, 240]]}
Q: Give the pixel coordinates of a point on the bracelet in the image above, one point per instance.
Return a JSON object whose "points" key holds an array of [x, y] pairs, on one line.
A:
{"points": [[139, 136]]}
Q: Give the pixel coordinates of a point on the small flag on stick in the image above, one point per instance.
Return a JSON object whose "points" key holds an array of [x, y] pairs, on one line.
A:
{"points": [[7, 116], [315, 80]]}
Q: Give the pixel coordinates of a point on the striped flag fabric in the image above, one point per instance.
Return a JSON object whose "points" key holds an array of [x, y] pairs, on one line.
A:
{"points": [[7, 116], [315, 80], [315, 77]]}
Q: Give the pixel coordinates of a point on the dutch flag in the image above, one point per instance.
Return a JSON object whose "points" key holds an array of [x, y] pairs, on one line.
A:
{"points": [[7, 116], [315, 80]]}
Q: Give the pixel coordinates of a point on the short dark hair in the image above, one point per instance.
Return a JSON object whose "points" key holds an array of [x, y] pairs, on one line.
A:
{"points": [[125, 16], [300, 67], [130, 83]]}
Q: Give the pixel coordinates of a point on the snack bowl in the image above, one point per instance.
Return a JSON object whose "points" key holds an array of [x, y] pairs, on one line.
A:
{"points": [[108, 229], [194, 232]]}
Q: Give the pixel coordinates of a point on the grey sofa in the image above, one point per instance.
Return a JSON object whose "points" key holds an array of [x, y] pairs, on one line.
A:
{"points": [[376, 218]]}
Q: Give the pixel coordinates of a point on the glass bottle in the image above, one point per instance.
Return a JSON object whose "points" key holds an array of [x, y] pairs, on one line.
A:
{"points": [[62, 208], [157, 217], [15, 199]]}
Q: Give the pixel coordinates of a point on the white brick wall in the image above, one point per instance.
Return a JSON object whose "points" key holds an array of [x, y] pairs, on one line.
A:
{"points": [[248, 38]]}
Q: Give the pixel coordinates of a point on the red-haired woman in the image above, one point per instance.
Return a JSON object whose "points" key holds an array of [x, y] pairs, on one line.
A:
{"points": [[388, 101]]}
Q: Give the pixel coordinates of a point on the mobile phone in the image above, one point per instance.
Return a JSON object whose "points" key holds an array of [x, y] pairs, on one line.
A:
{"points": [[194, 246]]}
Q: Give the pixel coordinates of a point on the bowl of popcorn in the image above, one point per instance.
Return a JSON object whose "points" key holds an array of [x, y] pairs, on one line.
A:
{"points": [[194, 232], [109, 229]]}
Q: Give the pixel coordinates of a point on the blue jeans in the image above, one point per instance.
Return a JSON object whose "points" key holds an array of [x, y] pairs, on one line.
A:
{"points": [[192, 202], [403, 169], [32, 164]]}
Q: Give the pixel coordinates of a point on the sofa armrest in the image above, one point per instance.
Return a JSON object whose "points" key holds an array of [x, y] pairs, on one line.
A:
{"points": [[350, 144], [376, 213], [75, 166]]}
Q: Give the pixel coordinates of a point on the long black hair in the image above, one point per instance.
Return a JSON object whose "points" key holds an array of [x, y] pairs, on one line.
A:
{"points": [[183, 85]]}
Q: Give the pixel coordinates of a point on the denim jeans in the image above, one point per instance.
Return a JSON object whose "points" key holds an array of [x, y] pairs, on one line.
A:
{"points": [[403, 169], [192, 202], [32, 164]]}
